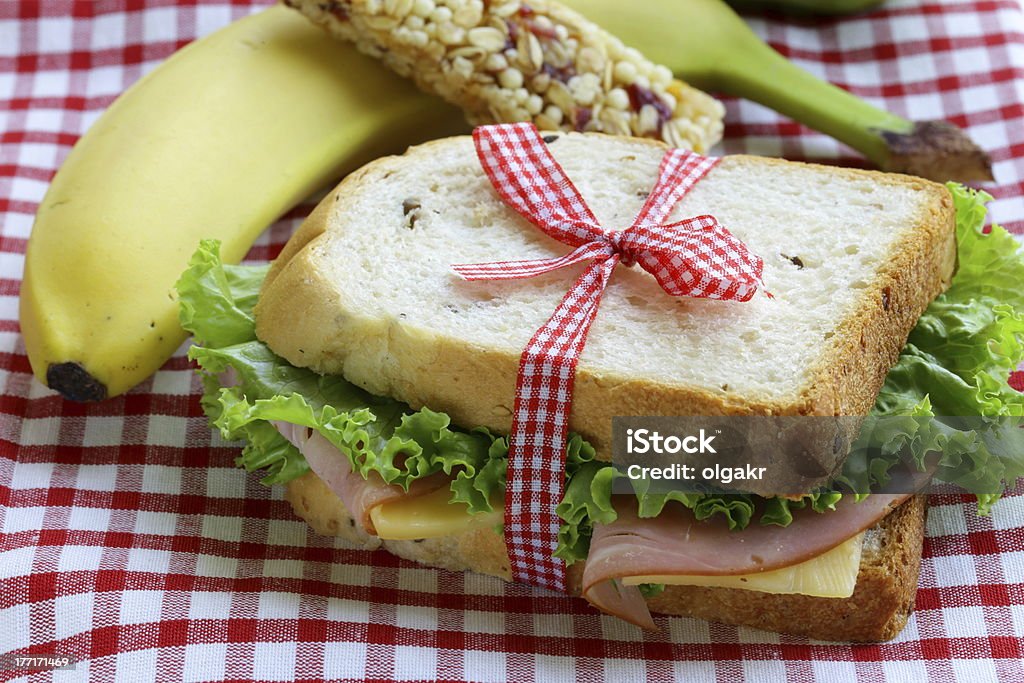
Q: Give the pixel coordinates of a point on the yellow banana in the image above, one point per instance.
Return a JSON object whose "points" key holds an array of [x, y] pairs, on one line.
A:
{"points": [[216, 142]]}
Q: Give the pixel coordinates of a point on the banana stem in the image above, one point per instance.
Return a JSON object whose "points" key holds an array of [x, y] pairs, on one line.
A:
{"points": [[750, 69], [709, 45]]}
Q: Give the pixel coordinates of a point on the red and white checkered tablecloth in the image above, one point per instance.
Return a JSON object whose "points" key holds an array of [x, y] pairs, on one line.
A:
{"points": [[129, 541]]}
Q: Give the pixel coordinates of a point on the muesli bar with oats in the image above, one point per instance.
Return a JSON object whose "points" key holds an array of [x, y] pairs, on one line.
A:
{"points": [[506, 60]]}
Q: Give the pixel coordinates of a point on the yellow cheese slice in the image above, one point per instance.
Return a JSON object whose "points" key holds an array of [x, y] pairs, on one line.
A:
{"points": [[430, 516], [830, 575]]}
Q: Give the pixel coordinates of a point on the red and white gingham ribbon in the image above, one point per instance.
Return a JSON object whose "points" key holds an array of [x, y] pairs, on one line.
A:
{"points": [[695, 257]]}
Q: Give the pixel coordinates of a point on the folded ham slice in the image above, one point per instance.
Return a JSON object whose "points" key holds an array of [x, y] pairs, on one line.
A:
{"points": [[360, 496], [675, 544]]}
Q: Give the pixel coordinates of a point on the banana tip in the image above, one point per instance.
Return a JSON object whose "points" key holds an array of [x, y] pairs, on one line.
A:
{"points": [[74, 382]]}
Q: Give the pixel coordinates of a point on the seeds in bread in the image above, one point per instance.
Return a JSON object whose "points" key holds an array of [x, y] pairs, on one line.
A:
{"points": [[877, 610], [365, 290], [510, 61]]}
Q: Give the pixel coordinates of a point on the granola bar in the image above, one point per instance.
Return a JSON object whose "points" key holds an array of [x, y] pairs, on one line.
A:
{"points": [[506, 60]]}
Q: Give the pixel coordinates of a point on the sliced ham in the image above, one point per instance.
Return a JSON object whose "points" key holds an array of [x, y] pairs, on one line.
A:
{"points": [[360, 496], [625, 602], [675, 544]]}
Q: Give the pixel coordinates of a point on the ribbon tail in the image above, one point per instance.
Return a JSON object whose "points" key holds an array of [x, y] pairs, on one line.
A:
{"points": [[517, 270], [540, 425]]}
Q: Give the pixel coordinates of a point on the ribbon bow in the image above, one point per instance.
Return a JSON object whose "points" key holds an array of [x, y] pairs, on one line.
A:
{"points": [[693, 257]]}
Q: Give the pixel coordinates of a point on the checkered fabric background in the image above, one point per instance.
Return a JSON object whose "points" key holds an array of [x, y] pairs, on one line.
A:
{"points": [[128, 540]]}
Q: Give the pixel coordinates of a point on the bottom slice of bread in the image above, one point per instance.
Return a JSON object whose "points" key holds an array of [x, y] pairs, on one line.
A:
{"points": [[878, 609]]}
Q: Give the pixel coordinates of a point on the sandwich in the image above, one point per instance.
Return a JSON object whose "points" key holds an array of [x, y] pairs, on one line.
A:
{"points": [[377, 387]]}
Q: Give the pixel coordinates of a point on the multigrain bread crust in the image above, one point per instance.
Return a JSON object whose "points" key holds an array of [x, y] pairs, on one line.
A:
{"points": [[878, 609], [475, 383]]}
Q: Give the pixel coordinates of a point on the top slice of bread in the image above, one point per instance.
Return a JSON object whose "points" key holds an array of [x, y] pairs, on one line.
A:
{"points": [[364, 289]]}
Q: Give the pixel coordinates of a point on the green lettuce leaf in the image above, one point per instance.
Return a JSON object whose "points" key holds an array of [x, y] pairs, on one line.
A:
{"points": [[956, 365], [215, 300], [247, 387], [649, 590], [587, 500]]}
